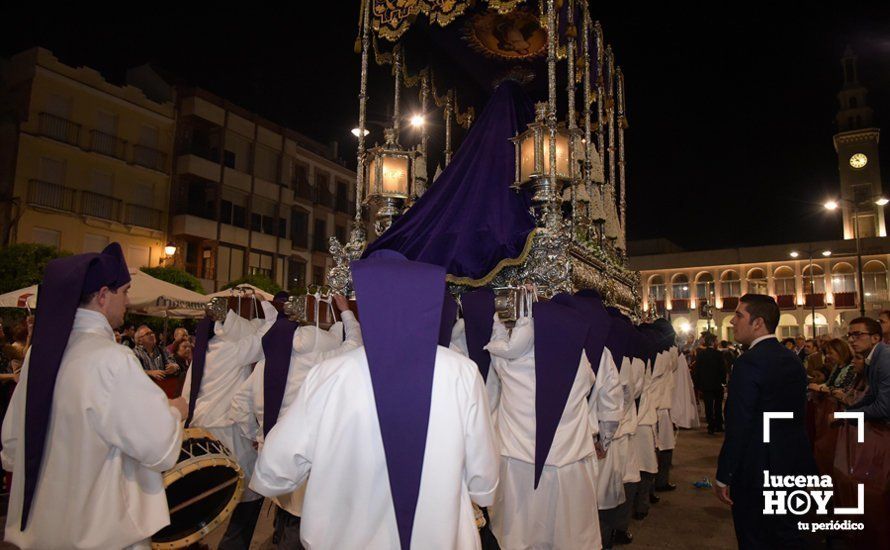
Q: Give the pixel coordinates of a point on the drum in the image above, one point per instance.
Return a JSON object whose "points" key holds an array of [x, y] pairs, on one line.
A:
{"points": [[202, 490]]}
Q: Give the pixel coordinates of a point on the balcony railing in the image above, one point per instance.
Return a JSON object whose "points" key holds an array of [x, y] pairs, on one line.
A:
{"points": [[51, 195], [142, 216], [107, 144], [324, 197], [150, 158], [786, 301], [730, 303], [300, 240], [59, 128], [814, 300], [680, 305], [319, 243], [845, 299], [302, 190], [100, 206]]}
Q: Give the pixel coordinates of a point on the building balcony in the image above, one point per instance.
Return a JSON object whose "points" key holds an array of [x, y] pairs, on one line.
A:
{"points": [[814, 300], [845, 300], [197, 166], [786, 301], [324, 197], [101, 206], [150, 158], [730, 303], [319, 244], [680, 305], [300, 240], [59, 128], [302, 190], [108, 144], [51, 195], [142, 216]]}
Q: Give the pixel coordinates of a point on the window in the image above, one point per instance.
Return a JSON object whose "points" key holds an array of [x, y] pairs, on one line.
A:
{"points": [[237, 154], [704, 287], [730, 285], [233, 208], [783, 279], [49, 237], [260, 264], [757, 281], [657, 287], [680, 287], [52, 170], [340, 233], [94, 243], [266, 165], [102, 183], [106, 123], [321, 179], [843, 278], [296, 270], [318, 275], [342, 197], [854, 103], [813, 281], [320, 237], [144, 193], [874, 280], [138, 256], [299, 228]]}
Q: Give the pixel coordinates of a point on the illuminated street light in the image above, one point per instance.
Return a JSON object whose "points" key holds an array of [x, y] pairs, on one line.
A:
{"points": [[355, 131], [794, 254], [826, 253], [882, 201], [417, 121], [831, 205]]}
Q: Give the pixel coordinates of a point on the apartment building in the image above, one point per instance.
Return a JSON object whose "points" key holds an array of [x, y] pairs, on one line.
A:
{"points": [[252, 197], [83, 161]]}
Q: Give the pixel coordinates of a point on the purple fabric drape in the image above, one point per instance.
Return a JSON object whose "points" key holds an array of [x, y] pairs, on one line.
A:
{"points": [[65, 281], [401, 305], [478, 307], [203, 334], [277, 345], [560, 334], [591, 308], [470, 219], [449, 316]]}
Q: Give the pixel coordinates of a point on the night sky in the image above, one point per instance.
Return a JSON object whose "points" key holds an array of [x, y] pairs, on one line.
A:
{"points": [[731, 115]]}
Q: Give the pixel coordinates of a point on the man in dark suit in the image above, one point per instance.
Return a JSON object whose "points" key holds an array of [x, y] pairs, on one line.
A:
{"points": [[865, 336], [767, 377], [710, 375]]}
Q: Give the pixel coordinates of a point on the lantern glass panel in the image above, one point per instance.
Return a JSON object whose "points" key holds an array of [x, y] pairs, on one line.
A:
{"points": [[394, 175], [527, 157], [562, 154]]}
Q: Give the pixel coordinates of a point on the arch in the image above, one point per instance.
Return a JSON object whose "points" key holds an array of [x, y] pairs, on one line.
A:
{"points": [[730, 284], [789, 327], [821, 325], [820, 320], [657, 288], [756, 273], [817, 270], [656, 280], [783, 271], [842, 267], [680, 278], [874, 266], [787, 320], [729, 275], [704, 276], [680, 286]]}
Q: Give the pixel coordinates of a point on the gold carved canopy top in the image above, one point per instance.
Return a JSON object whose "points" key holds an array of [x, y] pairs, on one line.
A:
{"points": [[391, 18]]}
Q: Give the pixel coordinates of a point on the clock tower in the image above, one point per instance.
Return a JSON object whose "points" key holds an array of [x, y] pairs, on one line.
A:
{"points": [[856, 144]]}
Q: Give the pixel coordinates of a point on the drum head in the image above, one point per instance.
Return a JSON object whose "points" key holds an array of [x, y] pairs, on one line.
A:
{"points": [[202, 490]]}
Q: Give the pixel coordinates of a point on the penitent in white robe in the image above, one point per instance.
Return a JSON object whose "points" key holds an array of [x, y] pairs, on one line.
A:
{"points": [[492, 382], [311, 346], [111, 434], [643, 439], [632, 374], [665, 434], [684, 408], [607, 399], [332, 435], [561, 512], [231, 353]]}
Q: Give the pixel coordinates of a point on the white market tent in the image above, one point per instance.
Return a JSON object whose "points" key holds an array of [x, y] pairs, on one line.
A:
{"points": [[148, 296]]}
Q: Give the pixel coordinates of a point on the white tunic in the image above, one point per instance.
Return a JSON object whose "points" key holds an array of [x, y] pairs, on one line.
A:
{"points": [[608, 399], [558, 513], [684, 408], [310, 347], [665, 439], [643, 439], [492, 382], [111, 434], [231, 353], [632, 375], [332, 429]]}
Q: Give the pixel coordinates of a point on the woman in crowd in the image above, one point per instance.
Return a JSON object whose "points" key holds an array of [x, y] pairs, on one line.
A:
{"points": [[838, 358], [854, 385], [182, 354]]}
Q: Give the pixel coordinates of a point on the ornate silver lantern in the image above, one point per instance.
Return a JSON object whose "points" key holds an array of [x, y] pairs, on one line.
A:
{"points": [[388, 179], [533, 157]]}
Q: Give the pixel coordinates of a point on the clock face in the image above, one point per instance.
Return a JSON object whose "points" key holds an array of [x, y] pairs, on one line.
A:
{"points": [[858, 160]]}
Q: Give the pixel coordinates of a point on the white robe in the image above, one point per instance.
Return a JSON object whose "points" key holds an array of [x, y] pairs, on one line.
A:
{"points": [[231, 353], [492, 382], [332, 429], [310, 347], [111, 434], [560, 513], [665, 435], [684, 408], [632, 374], [608, 400], [643, 439]]}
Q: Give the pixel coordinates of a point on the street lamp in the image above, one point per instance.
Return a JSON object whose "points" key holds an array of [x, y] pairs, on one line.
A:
{"points": [[170, 251], [833, 205]]}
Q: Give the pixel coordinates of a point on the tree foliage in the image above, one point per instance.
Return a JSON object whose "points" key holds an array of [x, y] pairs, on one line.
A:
{"points": [[259, 281], [176, 276], [22, 265]]}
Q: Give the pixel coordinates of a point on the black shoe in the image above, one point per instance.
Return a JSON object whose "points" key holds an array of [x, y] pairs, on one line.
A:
{"points": [[640, 515], [622, 537], [668, 487], [654, 499]]}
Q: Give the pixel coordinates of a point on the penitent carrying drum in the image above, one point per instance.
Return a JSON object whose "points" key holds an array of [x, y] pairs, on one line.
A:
{"points": [[202, 490]]}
